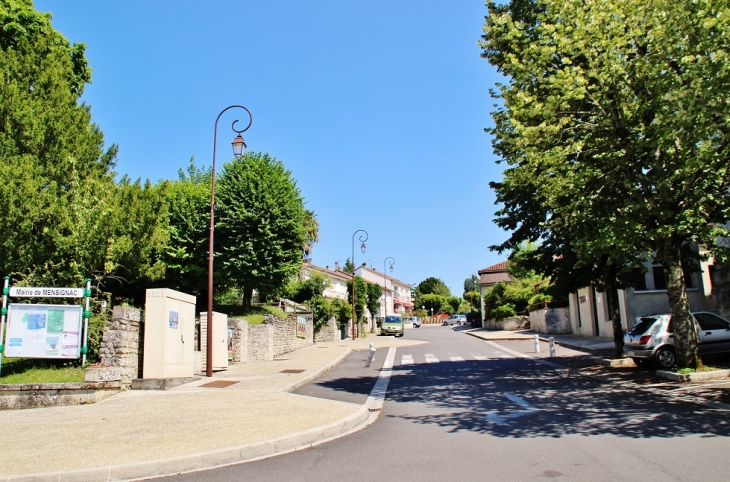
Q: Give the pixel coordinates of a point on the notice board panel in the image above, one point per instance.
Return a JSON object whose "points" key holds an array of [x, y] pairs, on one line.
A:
{"points": [[43, 331]]}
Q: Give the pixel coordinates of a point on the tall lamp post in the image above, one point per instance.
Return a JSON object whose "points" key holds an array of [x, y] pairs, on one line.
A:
{"points": [[362, 238], [239, 146], [385, 295]]}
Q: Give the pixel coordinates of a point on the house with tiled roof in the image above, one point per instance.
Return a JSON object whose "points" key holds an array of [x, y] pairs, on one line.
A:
{"points": [[396, 294], [490, 276], [337, 279]]}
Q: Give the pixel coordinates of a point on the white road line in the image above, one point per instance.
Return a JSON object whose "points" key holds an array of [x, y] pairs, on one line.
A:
{"points": [[377, 395], [406, 360], [456, 358], [430, 358], [479, 357]]}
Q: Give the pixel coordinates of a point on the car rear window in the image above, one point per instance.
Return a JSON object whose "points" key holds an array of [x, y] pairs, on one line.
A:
{"points": [[643, 326], [393, 319]]}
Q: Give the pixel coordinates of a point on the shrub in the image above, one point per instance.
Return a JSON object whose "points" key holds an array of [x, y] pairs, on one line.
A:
{"points": [[504, 311]]}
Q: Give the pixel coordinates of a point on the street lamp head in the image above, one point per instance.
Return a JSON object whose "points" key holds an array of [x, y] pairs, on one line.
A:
{"points": [[391, 268], [239, 146], [362, 248]]}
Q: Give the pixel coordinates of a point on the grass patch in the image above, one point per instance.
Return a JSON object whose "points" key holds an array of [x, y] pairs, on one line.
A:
{"points": [[33, 371], [704, 368]]}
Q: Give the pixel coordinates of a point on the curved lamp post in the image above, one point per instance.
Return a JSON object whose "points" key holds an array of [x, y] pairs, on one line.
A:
{"points": [[385, 295], [362, 238], [239, 146]]}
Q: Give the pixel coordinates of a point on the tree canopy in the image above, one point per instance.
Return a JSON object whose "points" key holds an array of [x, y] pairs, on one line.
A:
{"points": [[260, 224], [613, 122]]}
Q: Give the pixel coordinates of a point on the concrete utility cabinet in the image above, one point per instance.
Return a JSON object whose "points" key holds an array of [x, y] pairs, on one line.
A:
{"points": [[169, 334], [220, 340]]}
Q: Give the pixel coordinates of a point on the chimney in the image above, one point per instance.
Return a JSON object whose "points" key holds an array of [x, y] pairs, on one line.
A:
{"points": [[327, 267], [337, 266]]}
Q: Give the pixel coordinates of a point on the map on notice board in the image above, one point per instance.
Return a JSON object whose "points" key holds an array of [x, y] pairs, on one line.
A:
{"points": [[43, 331]]}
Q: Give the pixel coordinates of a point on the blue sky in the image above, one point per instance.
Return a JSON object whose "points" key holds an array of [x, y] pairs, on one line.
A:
{"points": [[377, 107]]}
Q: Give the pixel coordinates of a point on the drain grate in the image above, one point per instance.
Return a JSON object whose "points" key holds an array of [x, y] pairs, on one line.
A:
{"points": [[219, 384], [292, 370]]}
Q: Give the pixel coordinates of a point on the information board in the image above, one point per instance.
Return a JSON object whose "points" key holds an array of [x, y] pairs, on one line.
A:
{"points": [[43, 331]]}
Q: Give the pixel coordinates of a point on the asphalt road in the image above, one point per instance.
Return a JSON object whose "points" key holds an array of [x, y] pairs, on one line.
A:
{"points": [[459, 408]]}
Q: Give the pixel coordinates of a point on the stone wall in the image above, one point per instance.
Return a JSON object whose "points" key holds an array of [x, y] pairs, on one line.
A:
{"points": [[261, 342], [285, 332], [55, 394], [239, 340], [328, 332], [120, 344], [551, 321], [508, 324]]}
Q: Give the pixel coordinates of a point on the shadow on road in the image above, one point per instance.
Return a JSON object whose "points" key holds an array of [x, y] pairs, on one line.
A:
{"points": [[460, 395]]}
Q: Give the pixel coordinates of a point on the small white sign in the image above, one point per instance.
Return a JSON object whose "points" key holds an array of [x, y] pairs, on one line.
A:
{"points": [[28, 292]]}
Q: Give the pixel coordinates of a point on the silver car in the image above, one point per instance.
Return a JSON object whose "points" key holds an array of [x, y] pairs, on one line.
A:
{"points": [[455, 320], [414, 320], [651, 340]]}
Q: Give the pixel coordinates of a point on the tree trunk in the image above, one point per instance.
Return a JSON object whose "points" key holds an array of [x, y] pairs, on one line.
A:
{"points": [[685, 334], [615, 312], [247, 294]]}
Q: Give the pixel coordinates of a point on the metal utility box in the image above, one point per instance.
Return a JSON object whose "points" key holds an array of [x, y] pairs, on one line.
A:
{"points": [[169, 334], [220, 340]]}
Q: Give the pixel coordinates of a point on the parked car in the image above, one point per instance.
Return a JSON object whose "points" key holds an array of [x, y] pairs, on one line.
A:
{"points": [[651, 340], [392, 325], [414, 320], [455, 320]]}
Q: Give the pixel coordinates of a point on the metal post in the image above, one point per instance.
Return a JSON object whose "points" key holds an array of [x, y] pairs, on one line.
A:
{"points": [[362, 248], [87, 314], [209, 351], [552, 346], [536, 340], [371, 355], [385, 284], [6, 290]]}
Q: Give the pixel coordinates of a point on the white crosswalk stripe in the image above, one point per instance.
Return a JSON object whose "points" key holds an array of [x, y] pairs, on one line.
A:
{"points": [[410, 359], [430, 358]]}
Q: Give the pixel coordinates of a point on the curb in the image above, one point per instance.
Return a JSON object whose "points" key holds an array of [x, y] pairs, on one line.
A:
{"points": [[692, 377]]}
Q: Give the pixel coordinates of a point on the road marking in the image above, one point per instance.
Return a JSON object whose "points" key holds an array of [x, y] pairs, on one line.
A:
{"points": [[377, 394], [456, 358], [495, 417], [430, 358], [406, 360], [479, 357]]}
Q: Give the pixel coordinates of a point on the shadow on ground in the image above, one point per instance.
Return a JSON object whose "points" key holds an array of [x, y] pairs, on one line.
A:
{"points": [[460, 395]]}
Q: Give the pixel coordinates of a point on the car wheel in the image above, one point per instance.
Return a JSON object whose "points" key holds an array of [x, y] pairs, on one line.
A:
{"points": [[458, 323], [665, 358], [445, 324]]}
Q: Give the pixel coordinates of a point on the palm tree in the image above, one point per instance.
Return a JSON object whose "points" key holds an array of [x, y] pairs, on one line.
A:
{"points": [[311, 232]]}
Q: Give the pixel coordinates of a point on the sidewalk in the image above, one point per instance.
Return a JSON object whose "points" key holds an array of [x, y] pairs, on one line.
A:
{"points": [[143, 433], [589, 344]]}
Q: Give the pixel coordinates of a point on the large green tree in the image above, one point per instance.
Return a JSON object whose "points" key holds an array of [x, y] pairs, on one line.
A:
{"points": [[374, 292], [260, 227], [614, 115], [186, 256], [62, 214]]}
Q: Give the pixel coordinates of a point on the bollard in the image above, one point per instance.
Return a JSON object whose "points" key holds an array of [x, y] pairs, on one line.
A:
{"points": [[552, 346], [537, 344], [371, 355]]}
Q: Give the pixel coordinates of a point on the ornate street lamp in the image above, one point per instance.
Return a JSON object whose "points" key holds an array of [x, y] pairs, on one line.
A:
{"points": [[239, 146], [362, 238], [385, 295]]}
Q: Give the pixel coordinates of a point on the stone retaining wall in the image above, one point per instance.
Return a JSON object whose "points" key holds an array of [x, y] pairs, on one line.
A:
{"points": [[239, 340], [261, 342], [120, 345], [328, 332], [551, 321], [508, 324], [285, 332]]}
